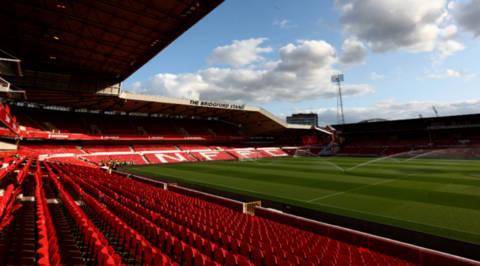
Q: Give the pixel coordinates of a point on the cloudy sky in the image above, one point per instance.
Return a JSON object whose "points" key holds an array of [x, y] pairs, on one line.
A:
{"points": [[399, 58]]}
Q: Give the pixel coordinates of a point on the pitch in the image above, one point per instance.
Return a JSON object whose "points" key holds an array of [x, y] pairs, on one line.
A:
{"points": [[436, 196]]}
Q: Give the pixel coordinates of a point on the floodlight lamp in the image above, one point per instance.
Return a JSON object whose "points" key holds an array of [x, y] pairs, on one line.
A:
{"points": [[56, 37], [337, 78], [188, 11]]}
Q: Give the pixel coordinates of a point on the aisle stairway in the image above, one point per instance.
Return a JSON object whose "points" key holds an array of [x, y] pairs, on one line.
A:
{"points": [[22, 249], [68, 249]]}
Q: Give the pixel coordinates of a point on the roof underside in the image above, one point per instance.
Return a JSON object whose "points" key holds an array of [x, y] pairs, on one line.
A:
{"points": [[254, 119], [90, 45]]}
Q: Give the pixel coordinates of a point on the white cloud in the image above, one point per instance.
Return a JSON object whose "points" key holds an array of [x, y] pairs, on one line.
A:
{"points": [[284, 24], [354, 53], [449, 73], [393, 25], [466, 15], [393, 110], [240, 53], [302, 73], [375, 76]]}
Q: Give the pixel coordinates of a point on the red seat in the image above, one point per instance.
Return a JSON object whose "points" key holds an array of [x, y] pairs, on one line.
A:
{"points": [[257, 257], [220, 256], [270, 260], [245, 250], [200, 259], [231, 260], [284, 263]]}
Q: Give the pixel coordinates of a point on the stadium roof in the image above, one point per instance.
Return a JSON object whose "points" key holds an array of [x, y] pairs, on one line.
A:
{"points": [[92, 45], [75, 54]]}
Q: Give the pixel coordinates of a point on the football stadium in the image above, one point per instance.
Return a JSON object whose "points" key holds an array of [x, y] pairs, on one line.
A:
{"points": [[95, 175]]}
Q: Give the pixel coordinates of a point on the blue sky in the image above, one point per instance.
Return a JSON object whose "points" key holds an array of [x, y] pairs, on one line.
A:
{"points": [[399, 58]]}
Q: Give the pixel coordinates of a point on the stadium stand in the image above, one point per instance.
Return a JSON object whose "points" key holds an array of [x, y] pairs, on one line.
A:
{"points": [[239, 146], [95, 149], [118, 125], [192, 126], [165, 147], [50, 149], [171, 157], [221, 129], [191, 147], [212, 155], [117, 148]]}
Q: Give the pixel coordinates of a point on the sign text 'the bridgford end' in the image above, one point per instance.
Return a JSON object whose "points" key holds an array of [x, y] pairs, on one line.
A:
{"points": [[218, 105]]}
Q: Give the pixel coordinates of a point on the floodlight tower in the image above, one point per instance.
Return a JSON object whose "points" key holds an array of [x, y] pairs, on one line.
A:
{"points": [[337, 79], [435, 110]]}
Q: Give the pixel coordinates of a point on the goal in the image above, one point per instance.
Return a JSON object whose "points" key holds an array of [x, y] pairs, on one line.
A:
{"points": [[303, 153], [251, 156]]}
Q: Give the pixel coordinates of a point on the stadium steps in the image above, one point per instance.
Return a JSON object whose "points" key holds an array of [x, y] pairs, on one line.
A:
{"points": [[21, 251], [85, 125], [176, 128], [80, 148], [34, 121], [131, 148], [192, 156], [68, 249], [206, 131], [144, 158], [135, 130], [415, 144]]}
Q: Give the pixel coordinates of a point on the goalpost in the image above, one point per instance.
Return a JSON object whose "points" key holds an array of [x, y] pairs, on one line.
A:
{"points": [[251, 156], [304, 153]]}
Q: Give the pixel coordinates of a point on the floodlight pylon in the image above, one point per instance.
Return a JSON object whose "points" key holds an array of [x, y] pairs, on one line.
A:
{"points": [[340, 117]]}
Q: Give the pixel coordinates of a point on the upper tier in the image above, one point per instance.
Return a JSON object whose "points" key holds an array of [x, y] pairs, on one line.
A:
{"points": [[104, 124]]}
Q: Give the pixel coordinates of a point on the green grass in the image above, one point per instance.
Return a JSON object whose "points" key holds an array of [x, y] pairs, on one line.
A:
{"points": [[436, 196]]}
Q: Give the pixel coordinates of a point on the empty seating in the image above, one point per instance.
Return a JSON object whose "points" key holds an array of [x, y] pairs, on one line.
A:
{"points": [[170, 157], [190, 147], [190, 231], [212, 155], [117, 148], [94, 148], [165, 147]]}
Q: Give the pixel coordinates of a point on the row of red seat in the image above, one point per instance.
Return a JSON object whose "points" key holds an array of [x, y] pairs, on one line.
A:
{"points": [[97, 247], [46, 244], [272, 243], [8, 206]]}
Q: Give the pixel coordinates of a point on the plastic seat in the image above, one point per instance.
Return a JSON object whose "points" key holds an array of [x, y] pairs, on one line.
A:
{"points": [[189, 255], [55, 260], [209, 249], [270, 260], [226, 242], [294, 260], [220, 256], [235, 245], [231, 260], [178, 249], [199, 260], [280, 253], [257, 257], [284, 263]]}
